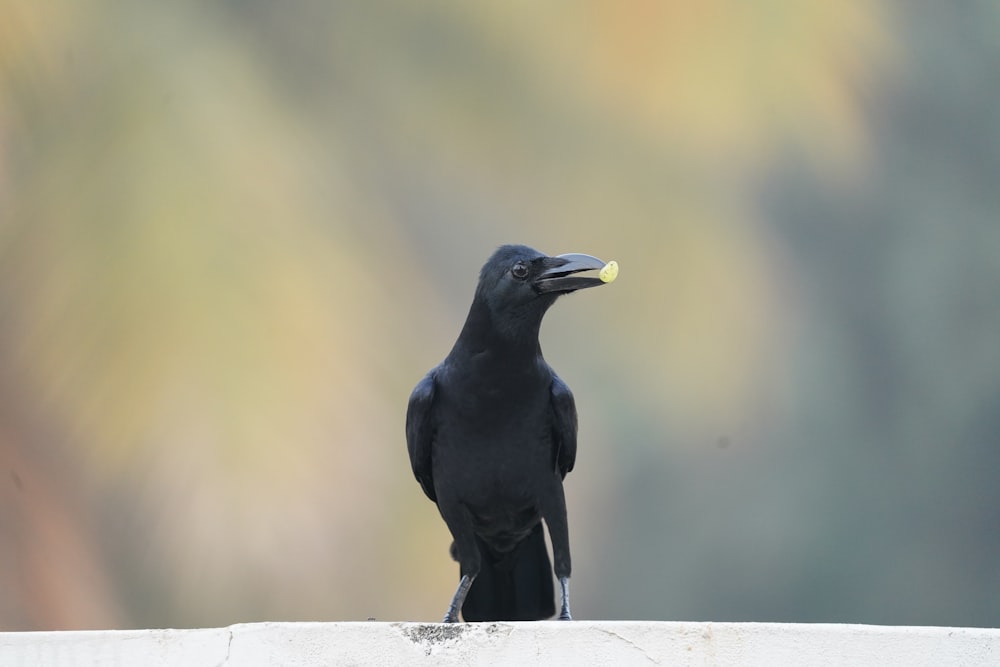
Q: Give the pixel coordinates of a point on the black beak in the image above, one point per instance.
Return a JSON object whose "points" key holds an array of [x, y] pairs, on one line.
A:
{"points": [[558, 274]]}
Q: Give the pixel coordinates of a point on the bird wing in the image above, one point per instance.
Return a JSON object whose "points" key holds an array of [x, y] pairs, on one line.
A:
{"points": [[563, 426], [420, 433]]}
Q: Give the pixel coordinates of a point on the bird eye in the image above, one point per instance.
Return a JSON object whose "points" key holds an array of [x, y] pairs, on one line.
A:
{"points": [[519, 271]]}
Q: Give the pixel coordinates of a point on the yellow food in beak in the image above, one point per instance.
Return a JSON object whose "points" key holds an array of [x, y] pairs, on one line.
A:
{"points": [[609, 272]]}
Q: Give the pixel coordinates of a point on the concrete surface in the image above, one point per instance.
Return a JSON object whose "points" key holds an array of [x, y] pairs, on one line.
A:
{"points": [[542, 643]]}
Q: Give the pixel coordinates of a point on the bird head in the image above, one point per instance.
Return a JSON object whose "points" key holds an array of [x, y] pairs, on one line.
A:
{"points": [[518, 284]]}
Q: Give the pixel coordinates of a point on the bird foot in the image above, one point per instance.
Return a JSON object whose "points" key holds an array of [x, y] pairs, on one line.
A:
{"points": [[564, 615], [456, 602]]}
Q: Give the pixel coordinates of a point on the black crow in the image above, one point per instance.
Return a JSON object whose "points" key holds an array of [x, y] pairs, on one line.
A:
{"points": [[491, 433]]}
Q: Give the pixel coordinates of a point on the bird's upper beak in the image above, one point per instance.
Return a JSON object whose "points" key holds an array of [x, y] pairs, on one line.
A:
{"points": [[559, 273]]}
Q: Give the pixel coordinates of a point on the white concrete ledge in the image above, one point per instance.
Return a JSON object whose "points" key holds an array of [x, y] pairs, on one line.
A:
{"points": [[546, 643]]}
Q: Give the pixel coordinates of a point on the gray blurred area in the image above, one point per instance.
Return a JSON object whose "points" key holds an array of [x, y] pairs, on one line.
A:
{"points": [[233, 235]]}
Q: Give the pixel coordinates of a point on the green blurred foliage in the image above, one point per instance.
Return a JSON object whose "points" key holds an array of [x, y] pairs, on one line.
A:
{"points": [[234, 234]]}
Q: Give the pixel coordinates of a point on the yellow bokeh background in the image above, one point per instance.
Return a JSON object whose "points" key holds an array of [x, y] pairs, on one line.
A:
{"points": [[234, 235]]}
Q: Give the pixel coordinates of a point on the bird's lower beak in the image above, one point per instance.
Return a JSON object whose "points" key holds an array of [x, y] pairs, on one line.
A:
{"points": [[560, 273]]}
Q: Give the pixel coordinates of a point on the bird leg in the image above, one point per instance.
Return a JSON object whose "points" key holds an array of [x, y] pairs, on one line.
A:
{"points": [[459, 599], [564, 615]]}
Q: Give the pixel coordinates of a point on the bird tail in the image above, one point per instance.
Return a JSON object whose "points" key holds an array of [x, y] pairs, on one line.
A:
{"points": [[514, 586]]}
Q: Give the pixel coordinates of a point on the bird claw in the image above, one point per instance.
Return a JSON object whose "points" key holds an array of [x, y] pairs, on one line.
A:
{"points": [[564, 615], [456, 602]]}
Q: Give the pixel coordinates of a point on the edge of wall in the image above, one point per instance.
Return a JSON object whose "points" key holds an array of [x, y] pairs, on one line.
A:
{"points": [[545, 642]]}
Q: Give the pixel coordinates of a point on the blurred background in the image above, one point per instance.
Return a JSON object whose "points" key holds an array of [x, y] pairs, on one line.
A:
{"points": [[233, 236]]}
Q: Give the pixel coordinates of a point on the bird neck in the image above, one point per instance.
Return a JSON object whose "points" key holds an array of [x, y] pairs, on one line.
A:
{"points": [[508, 337]]}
